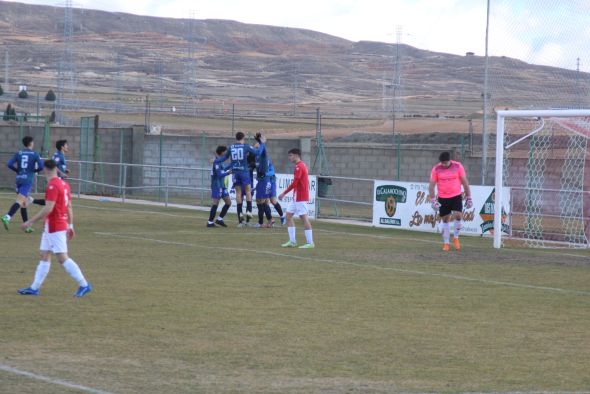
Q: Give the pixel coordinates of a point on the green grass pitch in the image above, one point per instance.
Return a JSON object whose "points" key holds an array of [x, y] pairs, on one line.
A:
{"points": [[178, 308]]}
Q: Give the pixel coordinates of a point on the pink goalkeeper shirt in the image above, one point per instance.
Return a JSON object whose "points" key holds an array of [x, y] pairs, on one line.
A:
{"points": [[448, 179]]}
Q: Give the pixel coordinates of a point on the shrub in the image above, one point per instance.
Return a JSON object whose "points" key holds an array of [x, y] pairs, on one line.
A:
{"points": [[10, 113], [23, 94], [1, 90], [50, 96]]}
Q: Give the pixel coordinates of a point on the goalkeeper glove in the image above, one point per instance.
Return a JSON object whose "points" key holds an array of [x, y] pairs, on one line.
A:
{"points": [[434, 204], [468, 203]]}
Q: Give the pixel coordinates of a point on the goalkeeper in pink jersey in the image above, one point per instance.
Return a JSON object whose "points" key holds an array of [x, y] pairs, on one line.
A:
{"points": [[448, 176]]}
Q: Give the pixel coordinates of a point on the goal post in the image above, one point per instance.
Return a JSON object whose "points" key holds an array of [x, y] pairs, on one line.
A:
{"points": [[542, 155]]}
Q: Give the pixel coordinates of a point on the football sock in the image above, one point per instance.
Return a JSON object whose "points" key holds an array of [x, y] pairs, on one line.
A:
{"points": [[446, 232], [224, 211], [239, 212], [15, 207], [212, 213], [292, 237], [260, 213], [72, 268], [40, 274], [268, 212], [39, 201], [309, 236], [248, 206], [279, 209], [457, 228], [24, 214]]}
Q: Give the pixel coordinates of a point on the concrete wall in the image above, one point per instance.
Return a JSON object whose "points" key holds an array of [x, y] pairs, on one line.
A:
{"points": [[345, 160], [198, 151], [381, 162], [110, 141]]}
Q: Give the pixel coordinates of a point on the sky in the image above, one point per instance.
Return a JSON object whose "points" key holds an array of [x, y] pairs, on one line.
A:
{"points": [[549, 32]]}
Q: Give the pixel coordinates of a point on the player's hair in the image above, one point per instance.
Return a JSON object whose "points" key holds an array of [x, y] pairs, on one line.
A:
{"points": [[50, 164], [240, 136], [295, 151], [60, 144], [445, 156], [27, 140], [220, 149]]}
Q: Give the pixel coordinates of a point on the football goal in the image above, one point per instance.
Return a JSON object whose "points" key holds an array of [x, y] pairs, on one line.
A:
{"points": [[543, 157]]}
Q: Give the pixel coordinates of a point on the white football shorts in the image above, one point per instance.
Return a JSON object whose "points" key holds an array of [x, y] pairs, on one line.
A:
{"points": [[54, 242], [298, 208]]}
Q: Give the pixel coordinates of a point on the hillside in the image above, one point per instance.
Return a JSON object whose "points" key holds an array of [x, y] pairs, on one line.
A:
{"points": [[120, 58]]}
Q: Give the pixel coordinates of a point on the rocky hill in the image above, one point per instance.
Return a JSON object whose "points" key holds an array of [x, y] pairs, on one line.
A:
{"points": [[124, 57]]}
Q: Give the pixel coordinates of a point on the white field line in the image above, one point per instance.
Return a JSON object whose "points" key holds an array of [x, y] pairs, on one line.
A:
{"points": [[352, 264], [332, 221], [57, 382]]}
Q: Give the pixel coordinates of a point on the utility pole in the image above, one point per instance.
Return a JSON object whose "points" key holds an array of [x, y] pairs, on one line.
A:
{"points": [[190, 84], [66, 64], [119, 83], [484, 153], [397, 81], [295, 72], [6, 69], [578, 86], [233, 118]]}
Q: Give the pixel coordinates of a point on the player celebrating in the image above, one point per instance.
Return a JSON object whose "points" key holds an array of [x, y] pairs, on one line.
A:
{"points": [[238, 153], [298, 206], [448, 176], [59, 227], [25, 163], [266, 188], [61, 147], [219, 190]]}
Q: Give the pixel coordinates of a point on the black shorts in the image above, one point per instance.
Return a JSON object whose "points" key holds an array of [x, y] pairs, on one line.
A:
{"points": [[448, 205]]}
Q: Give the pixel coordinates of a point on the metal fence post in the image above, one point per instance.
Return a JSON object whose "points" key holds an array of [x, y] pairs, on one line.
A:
{"points": [[79, 178], [399, 159], [124, 182], [167, 192]]}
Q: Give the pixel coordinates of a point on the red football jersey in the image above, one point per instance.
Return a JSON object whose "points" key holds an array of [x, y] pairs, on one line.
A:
{"points": [[300, 183], [58, 191]]}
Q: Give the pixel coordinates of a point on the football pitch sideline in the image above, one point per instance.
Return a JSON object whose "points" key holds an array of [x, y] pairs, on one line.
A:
{"points": [[179, 308]]}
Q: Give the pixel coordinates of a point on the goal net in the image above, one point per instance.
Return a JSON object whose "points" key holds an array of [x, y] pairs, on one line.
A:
{"points": [[543, 157]]}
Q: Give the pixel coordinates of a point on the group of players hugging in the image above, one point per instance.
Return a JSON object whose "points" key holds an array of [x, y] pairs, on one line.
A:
{"points": [[244, 160]]}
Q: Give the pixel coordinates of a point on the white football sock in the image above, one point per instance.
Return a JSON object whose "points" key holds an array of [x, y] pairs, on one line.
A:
{"points": [[446, 232], [40, 274], [72, 268], [292, 236], [457, 228], [309, 236]]}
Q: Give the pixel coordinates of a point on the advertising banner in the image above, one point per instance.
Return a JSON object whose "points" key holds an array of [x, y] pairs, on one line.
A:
{"points": [[406, 205], [283, 182]]}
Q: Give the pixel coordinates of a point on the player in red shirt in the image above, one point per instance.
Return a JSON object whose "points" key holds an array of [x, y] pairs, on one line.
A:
{"points": [[449, 176], [298, 206], [59, 227]]}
